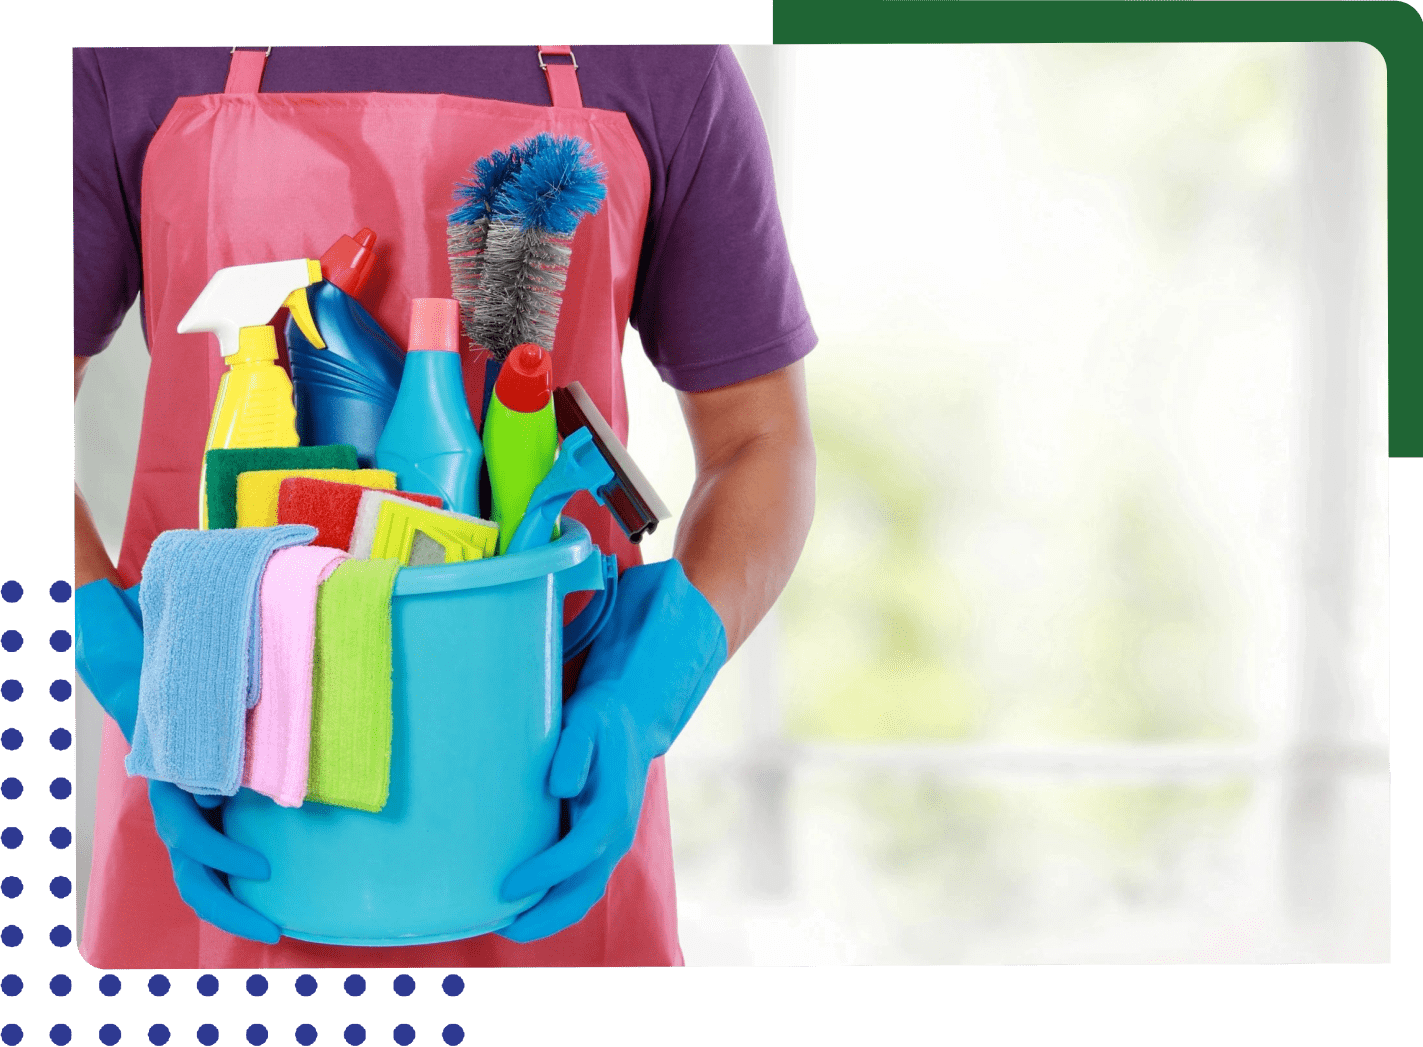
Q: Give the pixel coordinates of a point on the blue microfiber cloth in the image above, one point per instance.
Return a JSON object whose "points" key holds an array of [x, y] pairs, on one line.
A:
{"points": [[202, 653]]}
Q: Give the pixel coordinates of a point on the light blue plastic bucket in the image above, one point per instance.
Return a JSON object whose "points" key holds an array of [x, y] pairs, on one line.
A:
{"points": [[478, 651]]}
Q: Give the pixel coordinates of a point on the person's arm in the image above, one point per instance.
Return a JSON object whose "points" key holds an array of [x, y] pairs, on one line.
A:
{"points": [[91, 559], [754, 495]]}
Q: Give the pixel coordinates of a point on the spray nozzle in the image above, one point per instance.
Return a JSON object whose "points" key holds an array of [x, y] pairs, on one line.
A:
{"points": [[249, 296]]}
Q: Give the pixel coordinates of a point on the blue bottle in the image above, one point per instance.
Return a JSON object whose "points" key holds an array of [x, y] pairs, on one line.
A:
{"points": [[345, 392], [429, 441]]}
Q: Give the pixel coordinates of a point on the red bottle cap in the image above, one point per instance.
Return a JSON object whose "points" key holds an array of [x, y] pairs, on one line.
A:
{"points": [[435, 325], [349, 261], [525, 382]]}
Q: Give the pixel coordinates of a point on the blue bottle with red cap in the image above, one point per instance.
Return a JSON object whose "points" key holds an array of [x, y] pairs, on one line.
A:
{"points": [[345, 392]]}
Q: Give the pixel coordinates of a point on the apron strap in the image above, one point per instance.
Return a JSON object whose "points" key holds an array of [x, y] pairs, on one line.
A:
{"points": [[562, 77], [244, 73]]}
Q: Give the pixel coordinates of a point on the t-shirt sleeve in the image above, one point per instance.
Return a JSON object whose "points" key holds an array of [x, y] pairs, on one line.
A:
{"points": [[106, 255], [720, 302]]}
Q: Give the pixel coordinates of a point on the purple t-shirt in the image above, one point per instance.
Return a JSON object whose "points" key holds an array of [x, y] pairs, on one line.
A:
{"points": [[716, 300]]}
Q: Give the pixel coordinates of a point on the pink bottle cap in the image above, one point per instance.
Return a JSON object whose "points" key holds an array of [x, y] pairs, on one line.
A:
{"points": [[435, 324]]}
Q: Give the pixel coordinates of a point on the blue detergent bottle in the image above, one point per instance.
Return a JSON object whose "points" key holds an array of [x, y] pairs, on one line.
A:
{"points": [[345, 392], [429, 441]]}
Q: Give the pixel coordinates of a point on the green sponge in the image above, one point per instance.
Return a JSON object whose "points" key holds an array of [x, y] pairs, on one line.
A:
{"points": [[224, 463]]}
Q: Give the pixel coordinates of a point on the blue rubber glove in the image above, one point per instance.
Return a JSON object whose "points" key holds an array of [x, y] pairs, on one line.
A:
{"points": [[108, 653], [646, 671]]}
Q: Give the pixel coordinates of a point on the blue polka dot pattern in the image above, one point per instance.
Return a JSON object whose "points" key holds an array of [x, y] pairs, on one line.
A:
{"points": [[355, 985], [12, 936], [207, 1035], [12, 1034], [60, 739], [207, 985], [256, 1034], [61, 837], [60, 1034], [11, 641], [404, 985], [109, 1035], [11, 886], [11, 837], [158, 985], [60, 690], [12, 591], [355, 1034], [60, 592], [60, 985], [12, 689], [403, 1035], [256, 985], [59, 640], [60, 936], [306, 984], [12, 739], [60, 788], [453, 985], [306, 1035], [452, 1034], [110, 985], [11, 788], [60, 887], [11, 985], [158, 1034]]}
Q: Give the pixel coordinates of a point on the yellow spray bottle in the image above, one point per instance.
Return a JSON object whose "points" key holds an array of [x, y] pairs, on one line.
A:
{"points": [[254, 400]]}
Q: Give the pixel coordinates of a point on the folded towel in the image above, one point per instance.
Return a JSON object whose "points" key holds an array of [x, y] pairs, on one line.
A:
{"points": [[330, 507], [385, 529], [258, 490], [350, 696], [279, 726], [225, 463], [201, 654]]}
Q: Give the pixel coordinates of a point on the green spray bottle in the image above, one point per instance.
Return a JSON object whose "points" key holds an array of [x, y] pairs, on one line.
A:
{"points": [[520, 435]]}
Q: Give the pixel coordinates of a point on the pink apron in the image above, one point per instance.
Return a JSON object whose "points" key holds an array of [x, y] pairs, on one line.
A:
{"points": [[244, 177]]}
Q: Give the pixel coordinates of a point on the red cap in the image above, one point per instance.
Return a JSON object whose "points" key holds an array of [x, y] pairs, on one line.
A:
{"points": [[525, 382], [349, 261], [435, 324]]}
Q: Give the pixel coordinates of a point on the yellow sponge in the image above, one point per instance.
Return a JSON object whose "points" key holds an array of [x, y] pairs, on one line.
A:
{"points": [[258, 491]]}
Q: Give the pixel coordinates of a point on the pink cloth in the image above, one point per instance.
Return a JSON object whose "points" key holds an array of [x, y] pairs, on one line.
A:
{"points": [[279, 725]]}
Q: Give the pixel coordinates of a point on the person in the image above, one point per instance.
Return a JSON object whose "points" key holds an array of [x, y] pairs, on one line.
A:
{"points": [[189, 159]]}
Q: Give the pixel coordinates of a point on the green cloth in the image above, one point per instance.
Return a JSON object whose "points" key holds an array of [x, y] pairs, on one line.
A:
{"points": [[350, 687], [224, 463]]}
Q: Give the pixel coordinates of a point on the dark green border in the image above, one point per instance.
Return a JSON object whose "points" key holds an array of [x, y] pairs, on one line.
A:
{"points": [[1319, 1005]]}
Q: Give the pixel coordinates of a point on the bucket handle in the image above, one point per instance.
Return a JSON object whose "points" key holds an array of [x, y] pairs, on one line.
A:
{"points": [[580, 632]]}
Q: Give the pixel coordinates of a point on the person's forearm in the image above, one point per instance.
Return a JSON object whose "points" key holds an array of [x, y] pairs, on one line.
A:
{"points": [[91, 559], [746, 522]]}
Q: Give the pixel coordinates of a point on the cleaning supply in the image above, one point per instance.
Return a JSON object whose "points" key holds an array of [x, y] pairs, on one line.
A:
{"points": [[254, 399], [344, 393], [279, 725], [201, 654], [258, 490], [222, 466], [580, 467], [379, 526], [459, 537], [351, 687], [633, 502], [108, 647], [520, 435], [330, 507], [429, 442]]}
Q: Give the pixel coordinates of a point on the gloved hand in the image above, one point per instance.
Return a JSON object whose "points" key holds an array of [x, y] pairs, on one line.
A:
{"points": [[646, 671], [108, 653]]}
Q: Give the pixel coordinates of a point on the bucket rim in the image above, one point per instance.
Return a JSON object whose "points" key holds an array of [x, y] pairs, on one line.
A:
{"points": [[571, 548]]}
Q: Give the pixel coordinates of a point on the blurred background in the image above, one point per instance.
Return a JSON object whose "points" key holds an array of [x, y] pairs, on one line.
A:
{"points": [[1085, 657]]}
